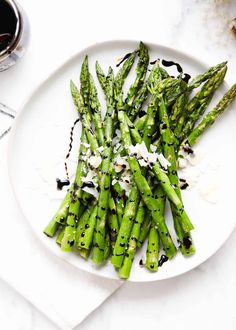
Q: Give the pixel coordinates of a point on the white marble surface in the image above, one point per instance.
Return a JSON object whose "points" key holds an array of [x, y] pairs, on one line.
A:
{"points": [[204, 297]]}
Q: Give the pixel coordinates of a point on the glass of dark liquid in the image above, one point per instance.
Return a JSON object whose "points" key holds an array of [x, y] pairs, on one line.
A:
{"points": [[14, 33]]}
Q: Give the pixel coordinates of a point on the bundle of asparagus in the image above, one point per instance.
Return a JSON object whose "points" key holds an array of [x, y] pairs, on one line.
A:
{"points": [[128, 161]]}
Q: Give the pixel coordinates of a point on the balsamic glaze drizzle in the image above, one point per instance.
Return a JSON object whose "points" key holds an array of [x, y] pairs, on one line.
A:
{"points": [[184, 186], [184, 76], [187, 242], [123, 59], [70, 147], [88, 184], [162, 260], [62, 183], [154, 62], [171, 63]]}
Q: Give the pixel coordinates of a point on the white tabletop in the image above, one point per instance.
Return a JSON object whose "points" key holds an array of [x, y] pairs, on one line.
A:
{"points": [[204, 297]]}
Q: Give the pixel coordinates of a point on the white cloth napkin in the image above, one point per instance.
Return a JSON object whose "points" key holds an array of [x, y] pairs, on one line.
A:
{"points": [[62, 292]]}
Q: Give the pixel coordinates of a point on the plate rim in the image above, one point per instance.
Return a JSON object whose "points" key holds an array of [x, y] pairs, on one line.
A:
{"points": [[34, 92]]}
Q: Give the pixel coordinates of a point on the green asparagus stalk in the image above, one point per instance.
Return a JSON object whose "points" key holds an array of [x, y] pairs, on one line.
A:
{"points": [[198, 80], [60, 235], [178, 109], [200, 102], [85, 83], [82, 224], [113, 220], [122, 74], [210, 118], [107, 247], [105, 180], [144, 230], [84, 253], [95, 108], [185, 240], [86, 236], [82, 107], [125, 228], [72, 217], [101, 77], [152, 250], [141, 71], [139, 125], [124, 271]]}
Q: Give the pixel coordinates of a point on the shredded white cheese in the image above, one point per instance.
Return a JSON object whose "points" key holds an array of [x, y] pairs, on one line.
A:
{"points": [[95, 161], [120, 163], [91, 191], [125, 181], [153, 148], [117, 137], [86, 145], [146, 158], [100, 149], [90, 177]]}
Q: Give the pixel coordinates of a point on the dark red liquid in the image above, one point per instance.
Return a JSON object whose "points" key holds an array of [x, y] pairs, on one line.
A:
{"points": [[8, 22]]}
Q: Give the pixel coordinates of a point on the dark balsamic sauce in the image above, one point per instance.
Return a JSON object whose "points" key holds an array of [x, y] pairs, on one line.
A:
{"points": [[188, 150], [66, 182], [184, 186], [88, 184], [123, 59], [172, 63], [187, 242], [154, 62], [70, 146], [162, 260], [62, 183], [186, 77]]}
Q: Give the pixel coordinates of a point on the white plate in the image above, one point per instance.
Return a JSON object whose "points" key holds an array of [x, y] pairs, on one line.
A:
{"points": [[39, 142]]}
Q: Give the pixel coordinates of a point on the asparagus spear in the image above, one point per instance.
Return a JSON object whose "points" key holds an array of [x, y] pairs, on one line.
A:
{"points": [[125, 228], [95, 108], [122, 74], [101, 77], [72, 217], [85, 82], [178, 109], [199, 103], [198, 80], [210, 118], [113, 220], [132, 203], [141, 71], [60, 235], [144, 230], [105, 180], [124, 271], [81, 102], [81, 227], [152, 250], [139, 125], [168, 143], [86, 237]]}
